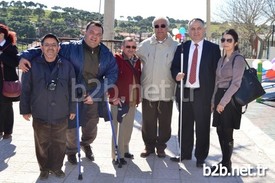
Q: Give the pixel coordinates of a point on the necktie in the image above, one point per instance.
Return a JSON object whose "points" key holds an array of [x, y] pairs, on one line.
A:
{"points": [[192, 76]]}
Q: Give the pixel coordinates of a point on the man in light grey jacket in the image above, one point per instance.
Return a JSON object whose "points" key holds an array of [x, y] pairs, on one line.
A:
{"points": [[158, 87]]}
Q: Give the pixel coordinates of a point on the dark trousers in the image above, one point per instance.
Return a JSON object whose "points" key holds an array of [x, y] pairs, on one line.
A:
{"points": [[89, 114], [50, 144], [195, 109], [6, 117], [156, 123]]}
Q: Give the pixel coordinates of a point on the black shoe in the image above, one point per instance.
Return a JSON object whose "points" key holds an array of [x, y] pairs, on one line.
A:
{"points": [[199, 163], [58, 173], [88, 152], [44, 175], [177, 158], [72, 159], [128, 155], [122, 161]]}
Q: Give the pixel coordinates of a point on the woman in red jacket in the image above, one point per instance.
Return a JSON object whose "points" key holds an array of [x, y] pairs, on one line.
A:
{"points": [[125, 97]]}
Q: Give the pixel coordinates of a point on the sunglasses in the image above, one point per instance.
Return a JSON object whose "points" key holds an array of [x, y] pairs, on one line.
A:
{"points": [[133, 47], [230, 40], [160, 26]]}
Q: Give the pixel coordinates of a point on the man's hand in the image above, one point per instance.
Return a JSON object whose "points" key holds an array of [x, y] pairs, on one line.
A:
{"points": [[117, 101], [27, 116], [24, 65], [180, 76], [72, 115], [88, 100]]}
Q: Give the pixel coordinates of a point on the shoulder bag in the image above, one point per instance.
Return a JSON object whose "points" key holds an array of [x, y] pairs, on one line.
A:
{"points": [[11, 89], [250, 88]]}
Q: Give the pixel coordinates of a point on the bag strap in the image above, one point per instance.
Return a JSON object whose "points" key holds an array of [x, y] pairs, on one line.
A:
{"points": [[234, 105], [2, 70], [244, 60], [232, 100]]}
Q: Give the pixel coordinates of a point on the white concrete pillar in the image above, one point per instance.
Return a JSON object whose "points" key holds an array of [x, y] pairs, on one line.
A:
{"points": [[109, 19]]}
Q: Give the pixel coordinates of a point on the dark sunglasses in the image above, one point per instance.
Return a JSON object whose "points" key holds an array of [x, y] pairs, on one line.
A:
{"points": [[230, 40], [160, 26], [133, 47]]}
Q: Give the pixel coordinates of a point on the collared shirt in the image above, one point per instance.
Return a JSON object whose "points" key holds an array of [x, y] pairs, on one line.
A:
{"points": [[90, 65], [191, 51], [3, 42]]}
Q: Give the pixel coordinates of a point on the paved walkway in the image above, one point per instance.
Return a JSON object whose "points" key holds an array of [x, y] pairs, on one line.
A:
{"points": [[252, 148]]}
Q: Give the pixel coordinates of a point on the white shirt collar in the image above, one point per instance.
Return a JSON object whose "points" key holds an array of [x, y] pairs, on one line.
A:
{"points": [[199, 43], [3, 42]]}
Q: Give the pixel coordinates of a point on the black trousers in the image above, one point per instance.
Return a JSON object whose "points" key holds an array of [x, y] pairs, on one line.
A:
{"points": [[6, 117], [196, 115]]}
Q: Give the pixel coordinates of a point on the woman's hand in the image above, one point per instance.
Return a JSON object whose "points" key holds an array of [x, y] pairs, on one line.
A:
{"points": [[220, 109]]}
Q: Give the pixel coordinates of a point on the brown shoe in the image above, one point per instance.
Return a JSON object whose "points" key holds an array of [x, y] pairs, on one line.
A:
{"points": [[161, 153], [146, 153], [44, 175], [58, 173], [88, 152]]}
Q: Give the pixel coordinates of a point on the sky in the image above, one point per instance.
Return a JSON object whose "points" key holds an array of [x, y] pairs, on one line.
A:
{"points": [[177, 9]]}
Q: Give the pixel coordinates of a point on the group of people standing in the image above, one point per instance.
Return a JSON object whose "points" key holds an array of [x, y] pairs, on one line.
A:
{"points": [[57, 75]]}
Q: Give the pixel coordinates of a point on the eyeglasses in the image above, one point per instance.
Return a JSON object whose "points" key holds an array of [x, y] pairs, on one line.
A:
{"points": [[50, 45], [160, 26], [133, 47], [230, 40]]}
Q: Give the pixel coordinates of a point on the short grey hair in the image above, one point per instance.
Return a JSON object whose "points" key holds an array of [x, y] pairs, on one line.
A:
{"points": [[128, 39], [161, 18]]}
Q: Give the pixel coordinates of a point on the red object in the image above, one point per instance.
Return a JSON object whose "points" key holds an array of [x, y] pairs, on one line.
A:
{"points": [[178, 36], [270, 74], [193, 70]]}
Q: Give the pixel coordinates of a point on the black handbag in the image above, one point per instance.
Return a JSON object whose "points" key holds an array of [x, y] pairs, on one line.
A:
{"points": [[250, 88]]}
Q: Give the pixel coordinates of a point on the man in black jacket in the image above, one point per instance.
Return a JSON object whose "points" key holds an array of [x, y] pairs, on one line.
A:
{"points": [[46, 96], [197, 92]]}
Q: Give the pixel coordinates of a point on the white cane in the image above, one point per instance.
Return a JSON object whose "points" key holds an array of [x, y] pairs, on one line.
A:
{"points": [[181, 98], [182, 32]]}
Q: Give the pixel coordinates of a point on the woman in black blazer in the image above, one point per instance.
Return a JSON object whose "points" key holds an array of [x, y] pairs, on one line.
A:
{"points": [[9, 61]]}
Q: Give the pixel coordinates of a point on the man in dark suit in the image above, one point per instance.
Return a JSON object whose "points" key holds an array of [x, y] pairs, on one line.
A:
{"points": [[199, 67]]}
